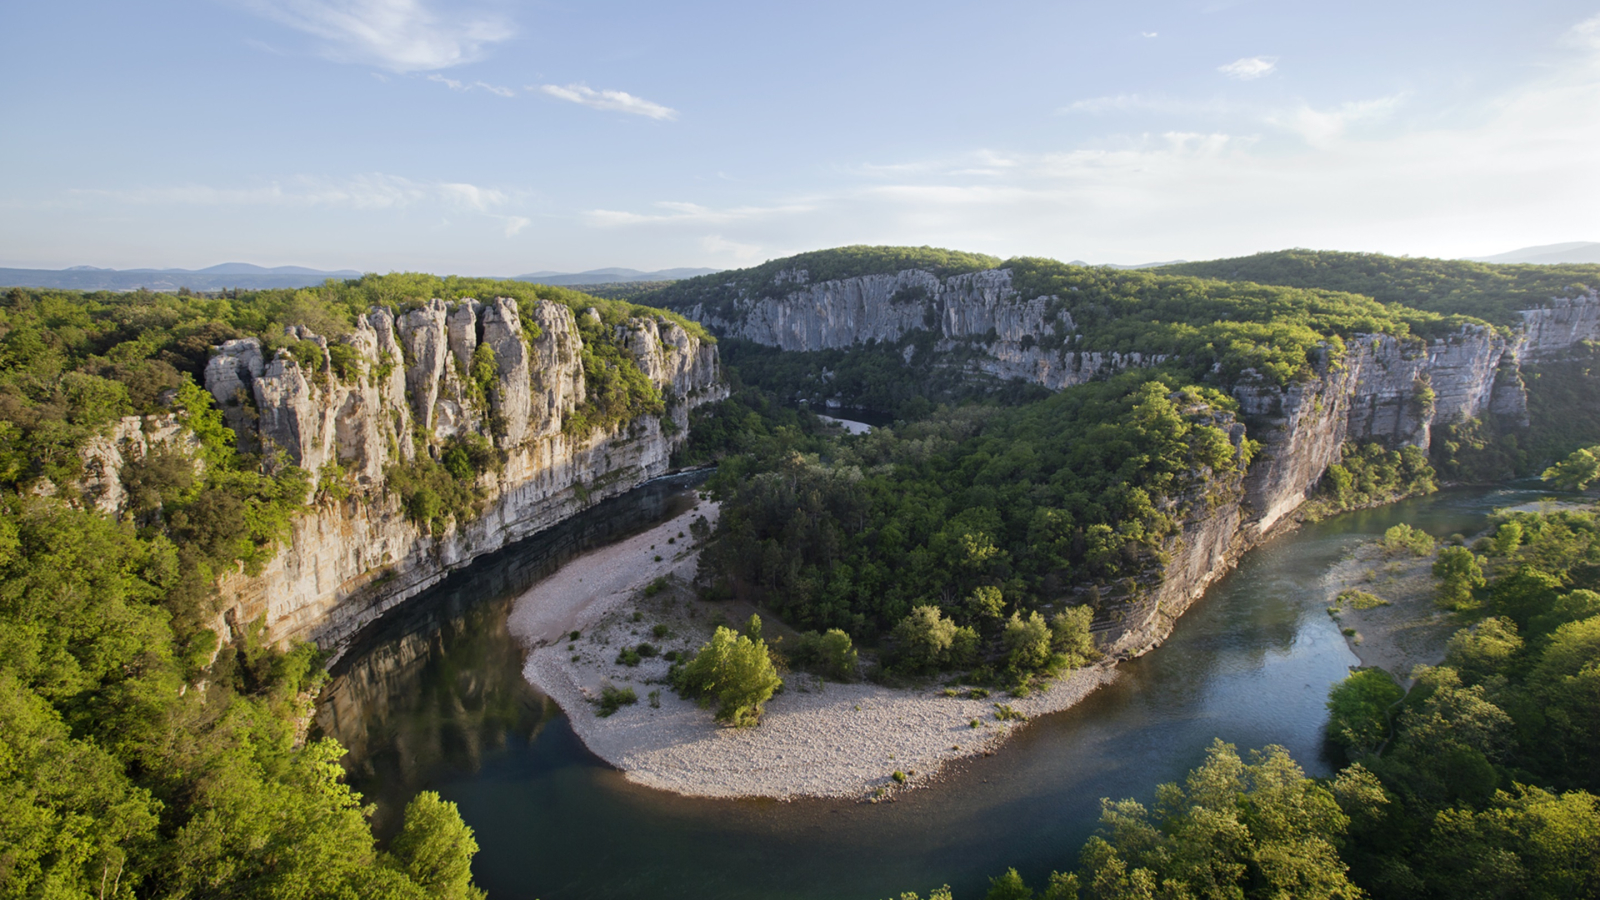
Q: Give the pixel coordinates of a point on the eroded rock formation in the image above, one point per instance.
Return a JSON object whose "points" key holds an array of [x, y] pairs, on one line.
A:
{"points": [[395, 388]]}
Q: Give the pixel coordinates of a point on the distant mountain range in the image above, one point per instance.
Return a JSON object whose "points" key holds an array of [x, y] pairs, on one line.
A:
{"points": [[1548, 254], [610, 276], [213, 278], [252, 277], [1154, 265]]}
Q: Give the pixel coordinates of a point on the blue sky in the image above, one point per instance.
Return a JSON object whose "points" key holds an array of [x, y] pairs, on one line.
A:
{"points": [[506, 137]]}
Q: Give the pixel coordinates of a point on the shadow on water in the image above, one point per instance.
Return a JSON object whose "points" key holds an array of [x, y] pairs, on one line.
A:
{"points": [[437, 682], [435, 699]]}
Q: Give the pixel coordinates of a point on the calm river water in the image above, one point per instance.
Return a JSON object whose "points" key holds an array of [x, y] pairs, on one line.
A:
{"points": [[433, 698]]}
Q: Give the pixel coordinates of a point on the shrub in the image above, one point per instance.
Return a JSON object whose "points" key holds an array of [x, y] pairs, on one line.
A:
{"points": [[660, 631], [1070, 636], [613, 699], [1402, 538], [628, 657], [1360, 600], [830, 654]]}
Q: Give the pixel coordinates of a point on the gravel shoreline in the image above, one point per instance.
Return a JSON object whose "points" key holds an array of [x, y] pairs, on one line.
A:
{"points": [[817, 739]]}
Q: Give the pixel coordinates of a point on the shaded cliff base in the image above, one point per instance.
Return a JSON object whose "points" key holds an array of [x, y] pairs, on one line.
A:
{"points": [[817, 739]]}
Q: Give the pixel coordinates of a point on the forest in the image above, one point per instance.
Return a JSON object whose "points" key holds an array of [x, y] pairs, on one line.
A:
{"points": [[138, 758], [1491, 292], [983, 533], [1478, 780]]}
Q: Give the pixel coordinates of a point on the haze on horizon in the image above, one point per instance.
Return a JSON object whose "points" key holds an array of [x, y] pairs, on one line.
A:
{"points": [[499, 137]]}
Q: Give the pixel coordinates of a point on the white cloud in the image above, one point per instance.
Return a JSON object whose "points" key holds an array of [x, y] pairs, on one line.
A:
{"points": [[1249, 67], [1319, 126], [399, 35], [610, 101], [455, 85], [1148, 34]]}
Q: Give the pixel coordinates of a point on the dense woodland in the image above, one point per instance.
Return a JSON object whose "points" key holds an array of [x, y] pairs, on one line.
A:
{"points": [[137, 757], [981, 533], [1479, 781], [1491, 292]]}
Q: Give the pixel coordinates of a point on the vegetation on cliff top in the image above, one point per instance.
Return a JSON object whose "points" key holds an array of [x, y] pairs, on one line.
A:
{"points": [[1491, 292], [780, 276]]}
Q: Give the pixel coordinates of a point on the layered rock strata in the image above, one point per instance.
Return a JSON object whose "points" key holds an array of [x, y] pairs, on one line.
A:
{"points": [[401, 386]]}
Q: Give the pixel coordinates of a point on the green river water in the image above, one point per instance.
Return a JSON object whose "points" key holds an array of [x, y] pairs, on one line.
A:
{"points": [[432, 697]]}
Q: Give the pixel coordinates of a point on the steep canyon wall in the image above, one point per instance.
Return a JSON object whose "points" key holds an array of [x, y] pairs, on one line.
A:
{"points": [[1381, 388], [419, 383]]}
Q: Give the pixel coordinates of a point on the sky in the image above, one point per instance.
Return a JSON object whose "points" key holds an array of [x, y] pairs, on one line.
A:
{"points": [[502, 137]]}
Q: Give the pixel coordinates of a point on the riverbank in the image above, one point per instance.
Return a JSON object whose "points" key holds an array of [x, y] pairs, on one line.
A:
{"points": [[817, 739], [1392, 623]]}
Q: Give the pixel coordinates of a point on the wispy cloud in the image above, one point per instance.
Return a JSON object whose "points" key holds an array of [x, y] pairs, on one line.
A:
{"points": [[375, 191], [454, 85], [399, 35], [719, 246], [1117, 103], [610, 101], [1250, 67], [1320, 126], [677, 213]]}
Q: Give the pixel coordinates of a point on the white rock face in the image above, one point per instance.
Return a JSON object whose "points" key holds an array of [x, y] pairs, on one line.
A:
{"points": [[1015, 337], [346, 562]]}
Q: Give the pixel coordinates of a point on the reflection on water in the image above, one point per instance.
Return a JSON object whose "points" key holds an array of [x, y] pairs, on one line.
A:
{"points": [[437, 683], [441, 705]]}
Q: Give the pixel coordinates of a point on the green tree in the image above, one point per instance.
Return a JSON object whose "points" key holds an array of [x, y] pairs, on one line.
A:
{"points": [[1026, 642], [1359, 708], [1234, 829], [1459, 573], [733, 670], [1575, 473], [435, 849], [1071, 637]]}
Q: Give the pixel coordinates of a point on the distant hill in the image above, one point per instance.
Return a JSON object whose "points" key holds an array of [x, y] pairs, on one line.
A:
{"points": [[212, 278], [1492, 292], [1548, 254], [1131, 266], [610, 276]]}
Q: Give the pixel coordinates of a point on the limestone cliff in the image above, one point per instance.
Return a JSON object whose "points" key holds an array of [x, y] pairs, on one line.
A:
{"points": [[401, 386], [1379, 388], [1015, 337]]}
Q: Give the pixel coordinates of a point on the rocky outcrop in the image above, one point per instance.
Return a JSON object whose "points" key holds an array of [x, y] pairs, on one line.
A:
{"points": [[395, 388], [1014, 337], [1559, 324]]}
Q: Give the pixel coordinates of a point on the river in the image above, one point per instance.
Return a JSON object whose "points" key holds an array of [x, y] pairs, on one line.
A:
{"points": [[434, 698]]}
